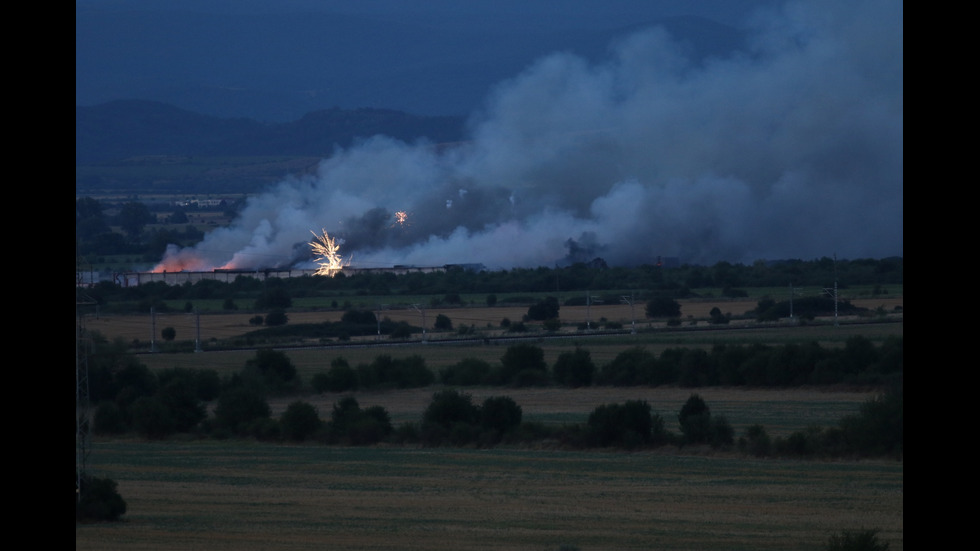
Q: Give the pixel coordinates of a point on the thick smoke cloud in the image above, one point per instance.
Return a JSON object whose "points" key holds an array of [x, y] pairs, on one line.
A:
{"points": [[792, 148]]}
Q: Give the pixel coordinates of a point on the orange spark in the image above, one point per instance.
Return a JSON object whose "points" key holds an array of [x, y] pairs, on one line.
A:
{"points": [[327, 249]]}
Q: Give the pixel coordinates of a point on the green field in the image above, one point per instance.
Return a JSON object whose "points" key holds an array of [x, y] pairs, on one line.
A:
{"points": [[222, 495]]}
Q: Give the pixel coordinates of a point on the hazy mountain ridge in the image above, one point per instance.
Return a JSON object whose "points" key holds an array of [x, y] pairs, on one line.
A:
{"points": [[121, 129], [279, 66]]}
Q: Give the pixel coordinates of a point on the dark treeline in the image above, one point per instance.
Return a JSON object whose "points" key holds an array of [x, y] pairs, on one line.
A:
{"points": [[646, 281], [130, 398]]}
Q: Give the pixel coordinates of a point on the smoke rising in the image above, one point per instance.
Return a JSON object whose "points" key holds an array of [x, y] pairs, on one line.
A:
{"points": [[792, 148]]}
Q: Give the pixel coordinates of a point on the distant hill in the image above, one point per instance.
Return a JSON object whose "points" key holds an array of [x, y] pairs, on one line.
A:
{"points": [[275, 61], [122, 129], [139, 146]]}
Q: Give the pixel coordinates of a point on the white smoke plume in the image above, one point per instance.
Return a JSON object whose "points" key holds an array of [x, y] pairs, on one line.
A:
{"points": [[792, 148]]}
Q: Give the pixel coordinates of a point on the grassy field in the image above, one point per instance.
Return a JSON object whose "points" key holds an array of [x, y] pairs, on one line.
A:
{"points": [[223, 495], [240, 495]]}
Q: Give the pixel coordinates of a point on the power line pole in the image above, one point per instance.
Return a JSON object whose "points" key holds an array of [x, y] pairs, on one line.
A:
{"points": [[422, 311], [153, 329], [833, 293], [629, 300], [378, 317], [82, 404], [197, 339]]}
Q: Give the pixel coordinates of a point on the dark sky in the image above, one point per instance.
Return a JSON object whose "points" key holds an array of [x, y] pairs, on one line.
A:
{"points": [[734, 136], [277, 60]]}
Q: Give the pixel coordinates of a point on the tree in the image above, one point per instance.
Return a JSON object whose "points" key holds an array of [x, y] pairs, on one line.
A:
{"points": [[299, 421], [133, 217], [466, 372], [544, 310], [273, 367], [350, 424], [574, 369], [449, 407], [523, 363], [276, 318], [274, 295], [695, 420], [152, 418], [861, 540], [717, 317], [98, 500], [443, 323], [663, 307], [239, 407], [630, 425], [340, 377], [500, 413]]}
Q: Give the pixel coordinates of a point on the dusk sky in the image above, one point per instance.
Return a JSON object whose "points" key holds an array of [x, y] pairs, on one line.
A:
{"points": [[596, 129]]}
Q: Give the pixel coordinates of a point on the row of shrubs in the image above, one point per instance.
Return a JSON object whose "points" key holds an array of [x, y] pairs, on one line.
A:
{"points": [[453, 419], [131, 398], [858, 362]]}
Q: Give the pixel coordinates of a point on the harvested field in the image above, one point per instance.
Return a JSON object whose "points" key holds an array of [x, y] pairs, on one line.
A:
{"points": [[245, 496], [144, 328], [780, 411]]}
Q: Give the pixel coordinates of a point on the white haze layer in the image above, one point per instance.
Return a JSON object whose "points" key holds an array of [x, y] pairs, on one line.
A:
{"points": [[792, 148]]}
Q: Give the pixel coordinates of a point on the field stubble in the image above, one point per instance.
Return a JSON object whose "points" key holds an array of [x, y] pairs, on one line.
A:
{"points": [[247, 496], [224, 495]]}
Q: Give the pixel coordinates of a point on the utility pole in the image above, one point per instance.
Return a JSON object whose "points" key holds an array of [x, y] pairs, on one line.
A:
{"points": [[153, 329], [588, 311], [197, 340], [833, 293], [82, 404], [791, 292], [629, 300], [421, 310], [378, 317]]}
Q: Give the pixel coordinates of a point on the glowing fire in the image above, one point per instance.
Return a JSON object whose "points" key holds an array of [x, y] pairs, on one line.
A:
{"points": [[327, 250], [401, 219]]}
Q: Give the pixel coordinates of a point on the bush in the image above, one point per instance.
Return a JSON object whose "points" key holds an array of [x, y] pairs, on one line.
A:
{"points": [[663, 307], [98, 500], [544, 310], [629, 425], [695, 420], [443, 323], [755, 442], [152, 418], [861, 540], [168, 333], [632, 366], [519, 358], [352, 425], [449, 407], [276, 318], [274, 369], [109, 419], [500, 413], [340, 377], [574, 369], [299, 421], [239, 407], [466, 372]]}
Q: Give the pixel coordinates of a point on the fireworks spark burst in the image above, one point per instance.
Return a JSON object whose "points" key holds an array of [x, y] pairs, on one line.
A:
{"points": [[327, 251], [401, 219]]}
